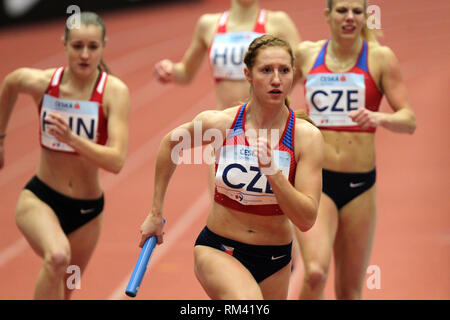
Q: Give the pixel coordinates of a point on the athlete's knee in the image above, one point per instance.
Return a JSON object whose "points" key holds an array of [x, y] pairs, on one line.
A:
{"points": [[57, 261], [316, 276]]}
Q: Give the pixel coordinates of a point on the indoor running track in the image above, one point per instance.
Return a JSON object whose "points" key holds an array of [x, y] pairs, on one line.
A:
{"points": [[411, 246]]}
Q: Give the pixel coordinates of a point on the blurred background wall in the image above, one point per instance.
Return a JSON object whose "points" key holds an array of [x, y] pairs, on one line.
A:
{"points": [[19, 12]]}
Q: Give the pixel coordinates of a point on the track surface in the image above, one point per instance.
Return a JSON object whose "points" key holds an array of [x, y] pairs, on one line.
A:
{"points": [[412, 240]]}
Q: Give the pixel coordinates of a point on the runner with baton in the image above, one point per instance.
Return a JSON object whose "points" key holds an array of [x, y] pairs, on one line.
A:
{"points": [[141, 266]]}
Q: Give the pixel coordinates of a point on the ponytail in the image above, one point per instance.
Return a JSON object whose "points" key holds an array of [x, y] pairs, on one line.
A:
{"points": [[300, 114], [104, 67], [370, 35]]}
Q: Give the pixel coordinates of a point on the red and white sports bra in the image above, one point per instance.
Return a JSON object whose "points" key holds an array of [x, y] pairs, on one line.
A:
{"points": [[86, 118], [331, 96], [239, 182]]}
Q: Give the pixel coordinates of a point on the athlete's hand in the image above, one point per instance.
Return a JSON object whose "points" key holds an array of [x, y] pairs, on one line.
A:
{"points": [[164, 71], [59, 128], [263, 151], [365, 118], [152, 226]]}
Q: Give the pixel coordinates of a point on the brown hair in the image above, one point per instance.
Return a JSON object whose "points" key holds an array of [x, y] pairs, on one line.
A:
{"points": [[263, 42], [367, 34], [91, 18]]}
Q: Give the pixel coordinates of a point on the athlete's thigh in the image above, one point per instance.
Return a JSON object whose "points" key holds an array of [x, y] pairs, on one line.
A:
{"points": [[223, 276], [40, 225], [354, 238], [276, 286], [316, 244], [84, 240]]}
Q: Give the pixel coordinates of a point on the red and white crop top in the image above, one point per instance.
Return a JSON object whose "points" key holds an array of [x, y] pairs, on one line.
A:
{"points": [[227, 50], [331, 96], [239, 183], [86, 118]]}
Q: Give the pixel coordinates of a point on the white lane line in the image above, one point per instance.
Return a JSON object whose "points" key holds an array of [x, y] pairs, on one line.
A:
{"points": [[12, 251]]}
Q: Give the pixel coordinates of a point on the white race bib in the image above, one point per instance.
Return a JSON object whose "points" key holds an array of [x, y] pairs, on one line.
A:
{"points": [[239, 178], [227, 54], [82, 117], [332, 96]]}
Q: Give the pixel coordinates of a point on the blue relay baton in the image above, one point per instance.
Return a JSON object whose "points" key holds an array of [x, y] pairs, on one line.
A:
{"points": [[141, 266]]}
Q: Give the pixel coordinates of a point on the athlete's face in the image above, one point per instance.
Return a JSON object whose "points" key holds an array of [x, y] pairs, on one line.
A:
{"points": [[271, 76], [346, 18], [84, 49]]}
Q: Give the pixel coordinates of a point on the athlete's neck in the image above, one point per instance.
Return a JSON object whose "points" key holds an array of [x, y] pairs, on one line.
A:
{"points": [[240, 13], [265, 117], [80, 83], [344, 49]]}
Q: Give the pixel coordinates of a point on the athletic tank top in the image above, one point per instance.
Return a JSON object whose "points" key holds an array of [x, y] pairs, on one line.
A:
{"points": [[86, 118], [330, 96], [227, 50], [240, 185]]}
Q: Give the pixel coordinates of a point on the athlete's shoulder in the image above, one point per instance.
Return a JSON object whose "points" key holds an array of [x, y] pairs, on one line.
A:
{"points": [[115, 83], [207, 20], [382, 55], [306, 47], [219, 115], [116, 92], [379, 50], [220, 119], [277, 16], [308, 139], [30, 80], [305, 128], [32, 74], [305, 53]]}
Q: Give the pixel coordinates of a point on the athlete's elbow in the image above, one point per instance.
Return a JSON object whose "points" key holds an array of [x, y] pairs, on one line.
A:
{"points": [[307, 219], [115, 168], [117, 165], [413, 125], [307, 223]]}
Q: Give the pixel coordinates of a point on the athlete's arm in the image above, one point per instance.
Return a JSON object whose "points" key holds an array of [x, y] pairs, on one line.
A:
{"points": [[110, 157], [301, 201], [24, 80], [184, 71], [402, 119], [182, 138], [303, 52]]}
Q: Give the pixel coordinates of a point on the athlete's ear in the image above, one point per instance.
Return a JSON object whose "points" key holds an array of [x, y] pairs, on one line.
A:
{"points": [[248, 75], [327, 13], [64, 43]]}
